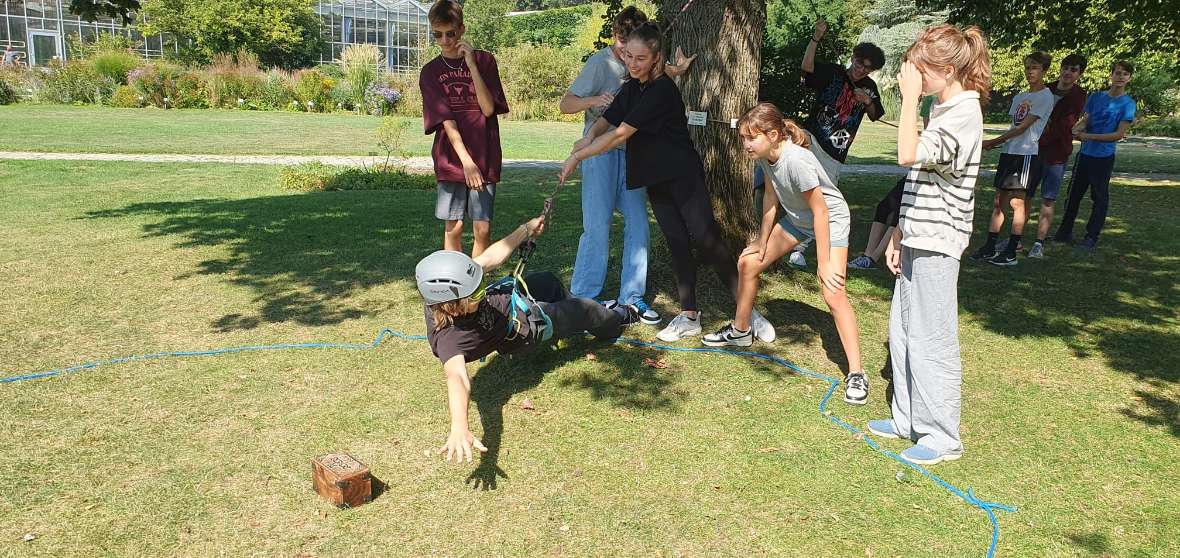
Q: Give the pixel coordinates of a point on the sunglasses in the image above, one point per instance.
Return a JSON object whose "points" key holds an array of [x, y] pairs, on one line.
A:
{"points": [[439, 34]]}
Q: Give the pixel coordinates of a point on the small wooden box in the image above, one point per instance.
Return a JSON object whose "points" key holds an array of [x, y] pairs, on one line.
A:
{"points": [[342, 480]]}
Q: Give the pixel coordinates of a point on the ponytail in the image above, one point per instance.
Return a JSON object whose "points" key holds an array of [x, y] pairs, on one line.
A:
{"points": [[965, 50], [649, 32], [765, 117]]}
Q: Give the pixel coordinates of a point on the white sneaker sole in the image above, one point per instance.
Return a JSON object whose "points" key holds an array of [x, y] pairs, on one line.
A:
{"points": [[724, 343], [936, 460], [649, 321], [857, 401], [880, 434], [670, 338]]}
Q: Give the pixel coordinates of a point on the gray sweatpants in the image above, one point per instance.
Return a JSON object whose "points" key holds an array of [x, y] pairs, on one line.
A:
{"points": [[924, 349]]}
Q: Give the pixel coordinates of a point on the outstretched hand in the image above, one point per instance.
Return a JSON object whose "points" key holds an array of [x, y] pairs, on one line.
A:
{"points": [[459, 446], [682, 62]]}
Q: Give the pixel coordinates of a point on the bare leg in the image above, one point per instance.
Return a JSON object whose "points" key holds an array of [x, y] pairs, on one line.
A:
{"points": [[483, 236], [997, 221], [1019, 214], [879, 249], [750, 268], [1045, 220], [842, 313], [876, 233], [453, 236]]}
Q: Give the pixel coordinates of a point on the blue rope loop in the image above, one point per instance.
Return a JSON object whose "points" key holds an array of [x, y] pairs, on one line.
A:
{"points": [[386, 333]]}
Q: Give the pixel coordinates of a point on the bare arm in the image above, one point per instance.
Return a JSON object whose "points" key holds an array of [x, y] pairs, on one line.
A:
{"points": [[471, 174], [483, 95], [1116, 135], [769, 210], [502, 249], [1012, 132], [910, 80], [604, 142], [573, 104], [460, 442], [821, 27]]}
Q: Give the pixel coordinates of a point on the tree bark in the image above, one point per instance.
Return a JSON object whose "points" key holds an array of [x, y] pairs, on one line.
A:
{"points": [[723, 81]]}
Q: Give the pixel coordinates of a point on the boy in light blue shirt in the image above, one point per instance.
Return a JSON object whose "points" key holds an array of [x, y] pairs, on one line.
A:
{"points": [[1107, 118]]}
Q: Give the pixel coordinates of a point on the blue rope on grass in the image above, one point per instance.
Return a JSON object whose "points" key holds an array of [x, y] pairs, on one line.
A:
{"points": [[833, 383]]}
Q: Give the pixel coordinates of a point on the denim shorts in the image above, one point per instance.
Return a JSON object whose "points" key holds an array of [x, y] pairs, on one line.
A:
{"points": [[1050, 181], [839, 238], [457, 202]]}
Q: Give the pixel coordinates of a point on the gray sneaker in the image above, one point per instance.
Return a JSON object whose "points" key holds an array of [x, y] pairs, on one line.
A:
{"points": [[680, 327], [861, 262], [729, 336], [1037, 251], [796, 259]]}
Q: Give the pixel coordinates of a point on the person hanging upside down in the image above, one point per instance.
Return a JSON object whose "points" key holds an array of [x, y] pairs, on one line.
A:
{"points": [[464, 323]]}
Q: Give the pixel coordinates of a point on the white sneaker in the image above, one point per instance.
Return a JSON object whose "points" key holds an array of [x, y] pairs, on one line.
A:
{"points": [[1037, 251], [680, 327], [763, 330], [796, 259]]}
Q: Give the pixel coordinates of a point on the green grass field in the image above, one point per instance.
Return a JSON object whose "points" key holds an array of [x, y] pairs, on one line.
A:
{"points": [[111, 130], [1071, 396]]}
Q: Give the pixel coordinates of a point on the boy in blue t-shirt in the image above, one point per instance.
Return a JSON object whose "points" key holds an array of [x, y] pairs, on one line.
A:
{"points": [[1106, 120]]}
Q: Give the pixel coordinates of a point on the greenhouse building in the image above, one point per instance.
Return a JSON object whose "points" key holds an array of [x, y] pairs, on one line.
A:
{"points": [[39, 31]]}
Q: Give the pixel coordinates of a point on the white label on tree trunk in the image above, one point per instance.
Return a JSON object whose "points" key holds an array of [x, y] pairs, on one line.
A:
{"points": [[696, 118]]}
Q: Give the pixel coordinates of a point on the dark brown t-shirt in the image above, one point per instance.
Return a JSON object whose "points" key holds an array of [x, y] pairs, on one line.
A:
{"points": [[448, 93], [478, 334]]}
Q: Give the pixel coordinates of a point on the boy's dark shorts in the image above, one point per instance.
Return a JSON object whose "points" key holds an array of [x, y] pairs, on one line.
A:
{"points": [[1015, 173]]}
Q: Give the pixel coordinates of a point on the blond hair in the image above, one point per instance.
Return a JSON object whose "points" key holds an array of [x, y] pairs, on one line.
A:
{"points": [[965, 50]]}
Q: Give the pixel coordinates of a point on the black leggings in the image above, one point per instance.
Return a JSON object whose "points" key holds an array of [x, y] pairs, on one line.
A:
{"points": [[685, 215], [889, 208], [572, 315]]}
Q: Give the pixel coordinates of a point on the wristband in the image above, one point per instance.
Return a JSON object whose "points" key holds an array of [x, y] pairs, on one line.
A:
{"points": [[815, 40]]}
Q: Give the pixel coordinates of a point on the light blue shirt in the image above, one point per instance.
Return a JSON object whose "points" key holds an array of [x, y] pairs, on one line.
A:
{"points": [[1103, 116]]}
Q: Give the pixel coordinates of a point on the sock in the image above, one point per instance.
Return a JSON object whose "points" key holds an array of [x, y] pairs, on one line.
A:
{"points": [[991, 241], [1013, 241], [740, 331]]}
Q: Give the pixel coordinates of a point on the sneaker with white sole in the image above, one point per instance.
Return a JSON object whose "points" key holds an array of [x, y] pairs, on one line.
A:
{"points": [[763, 330], [680, 327], [1037, 251], [883, 428], [728, 336], [922, 455], [796, 259], [647, 314], [857, 390], [862, 262]]}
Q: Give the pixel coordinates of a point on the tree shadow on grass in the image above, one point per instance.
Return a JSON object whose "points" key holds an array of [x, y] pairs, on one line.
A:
{"points": [[1119, 303], [304, 255], [620, 379]]}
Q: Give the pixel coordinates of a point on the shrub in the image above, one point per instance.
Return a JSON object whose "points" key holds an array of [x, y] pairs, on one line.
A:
{"points": [[318, 177], [277, 91], [359, 64], [115, 65], [390, 137], [410, 103], [156, 82], [381, 99], [535, 77], [558, 27], [1167, 126], [74, 82], [191, 91], [126, 96], [313, 91], [234, 77], [7, 93]]}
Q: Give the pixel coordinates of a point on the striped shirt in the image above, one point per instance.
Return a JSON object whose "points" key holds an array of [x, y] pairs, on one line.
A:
{"points": [[938, 202]]}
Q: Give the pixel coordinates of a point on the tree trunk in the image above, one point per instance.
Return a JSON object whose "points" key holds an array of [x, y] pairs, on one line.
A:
{"points": [[723, 81]]}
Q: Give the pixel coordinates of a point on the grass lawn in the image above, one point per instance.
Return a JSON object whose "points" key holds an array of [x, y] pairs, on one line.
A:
{"points": [[93, 129], [111, 130], [1071, 413]]}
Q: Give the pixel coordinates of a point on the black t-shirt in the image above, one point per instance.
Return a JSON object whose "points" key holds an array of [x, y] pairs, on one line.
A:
{"points": [[661, 149], [478, 334], [836, 114]]}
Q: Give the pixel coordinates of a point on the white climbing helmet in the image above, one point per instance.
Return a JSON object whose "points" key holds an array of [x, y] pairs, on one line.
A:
{"points": [[447, 275]]}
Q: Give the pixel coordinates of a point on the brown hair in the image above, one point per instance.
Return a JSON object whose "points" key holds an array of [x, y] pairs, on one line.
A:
{"points": [[965, 50], [628, 20], [765, 117], [649, 32], [1126, 65], [446, 12], [444, 313], [1040, 57]]}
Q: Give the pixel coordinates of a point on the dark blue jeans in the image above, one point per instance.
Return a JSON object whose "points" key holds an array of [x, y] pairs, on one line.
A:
{"points": [[1093, 174]]}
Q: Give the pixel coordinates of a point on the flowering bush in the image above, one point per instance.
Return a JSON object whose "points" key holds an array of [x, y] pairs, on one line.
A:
{"points": [[127, 97], [313, 90], [381, 99], [74, 82]]}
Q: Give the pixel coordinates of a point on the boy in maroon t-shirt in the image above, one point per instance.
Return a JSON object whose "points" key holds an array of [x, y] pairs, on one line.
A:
{"points": [[461, 96], [1056, 144]]}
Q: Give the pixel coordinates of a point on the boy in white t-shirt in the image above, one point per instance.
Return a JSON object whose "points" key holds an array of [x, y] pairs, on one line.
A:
{"points": [[1019, 165]]}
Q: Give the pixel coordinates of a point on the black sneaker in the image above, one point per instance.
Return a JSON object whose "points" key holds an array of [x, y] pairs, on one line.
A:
{"points": [[857, 391], [729, 336], [630, 313], [984, 252], [1003, 259]]}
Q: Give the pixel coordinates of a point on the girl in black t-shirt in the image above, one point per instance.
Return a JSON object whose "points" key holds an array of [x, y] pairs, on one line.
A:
{"points": [[649, 116]]}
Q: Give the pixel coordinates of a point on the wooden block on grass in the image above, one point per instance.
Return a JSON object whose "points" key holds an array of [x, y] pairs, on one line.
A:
{"points": [[342, 480]]}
